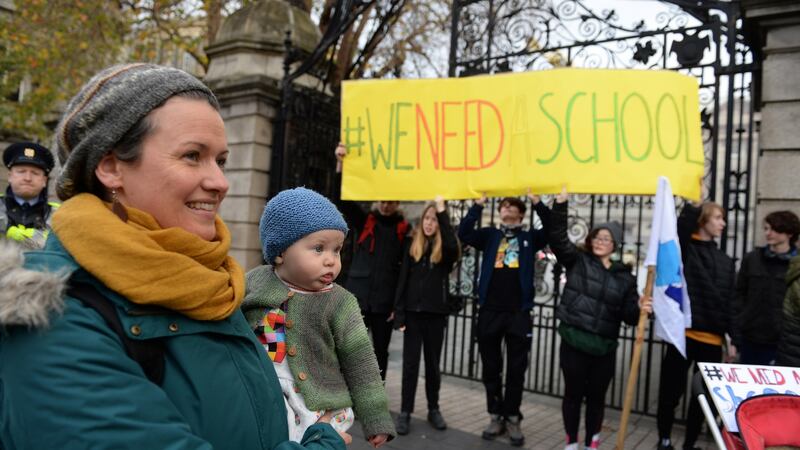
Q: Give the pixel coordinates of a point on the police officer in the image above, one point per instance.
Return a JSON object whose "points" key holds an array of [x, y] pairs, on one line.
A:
{"points": [[24, 210]]}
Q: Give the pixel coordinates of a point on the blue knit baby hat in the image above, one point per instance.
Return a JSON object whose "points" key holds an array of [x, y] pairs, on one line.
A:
{"points": [[293, 214]]}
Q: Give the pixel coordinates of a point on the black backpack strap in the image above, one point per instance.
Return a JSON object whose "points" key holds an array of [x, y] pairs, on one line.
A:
{"points": [[149, 354]]}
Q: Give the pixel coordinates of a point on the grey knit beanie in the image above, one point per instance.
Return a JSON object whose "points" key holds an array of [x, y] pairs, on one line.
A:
{"points": [[293, 214], [613, 227], [104, 110]]}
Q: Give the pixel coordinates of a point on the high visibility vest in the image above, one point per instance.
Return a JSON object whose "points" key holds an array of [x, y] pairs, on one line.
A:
{"points": [[28, 238]]}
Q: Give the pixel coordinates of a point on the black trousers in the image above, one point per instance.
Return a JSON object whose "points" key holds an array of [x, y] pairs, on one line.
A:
{"points": [[381, 329], [673, 385], [424, 334], [514, 328], [585, 376], [760, 354]]}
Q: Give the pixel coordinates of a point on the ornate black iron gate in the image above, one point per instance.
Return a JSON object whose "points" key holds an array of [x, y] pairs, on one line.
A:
{"points": [[307, 124], [705, 41]]}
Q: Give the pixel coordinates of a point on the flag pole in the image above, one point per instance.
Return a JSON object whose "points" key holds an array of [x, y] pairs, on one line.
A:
{"points": [[633, 375]]}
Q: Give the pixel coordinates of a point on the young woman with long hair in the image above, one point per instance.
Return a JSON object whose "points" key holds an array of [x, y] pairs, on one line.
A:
{"points": [[421, 307]]}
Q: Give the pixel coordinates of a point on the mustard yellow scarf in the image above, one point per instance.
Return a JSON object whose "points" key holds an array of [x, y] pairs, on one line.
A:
{"points": [[149, 265]]}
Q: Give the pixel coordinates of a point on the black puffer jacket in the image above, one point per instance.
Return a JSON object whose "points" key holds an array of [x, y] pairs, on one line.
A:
{"points": [[710, 278], [760, 289], [376, 261], [595, 299], [789, 345], [423, 285]]}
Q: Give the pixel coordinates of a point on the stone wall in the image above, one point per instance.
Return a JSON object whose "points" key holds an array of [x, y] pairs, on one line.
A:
{"points": [[778, 183], [248, 123], [245, 71]]}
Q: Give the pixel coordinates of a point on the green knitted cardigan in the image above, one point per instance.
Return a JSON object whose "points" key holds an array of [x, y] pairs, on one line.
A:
{"points": [[334, 351]]}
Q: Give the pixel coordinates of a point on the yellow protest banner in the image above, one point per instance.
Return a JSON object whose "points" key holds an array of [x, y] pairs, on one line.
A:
{"points": [[597, 131]]}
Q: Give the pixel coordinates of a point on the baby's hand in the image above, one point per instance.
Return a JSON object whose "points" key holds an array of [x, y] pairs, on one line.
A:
{"points": [[378, 439], [326, 418]]}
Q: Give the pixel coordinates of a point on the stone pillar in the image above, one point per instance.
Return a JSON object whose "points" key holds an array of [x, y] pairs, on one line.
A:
{"points": [[777, 22], [245, 69]]}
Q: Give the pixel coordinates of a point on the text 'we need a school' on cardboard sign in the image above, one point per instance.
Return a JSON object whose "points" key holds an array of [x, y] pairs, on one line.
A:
{"points": [[597, 131]]}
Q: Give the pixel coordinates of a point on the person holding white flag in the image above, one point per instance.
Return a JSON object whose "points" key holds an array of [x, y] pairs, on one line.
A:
{"points": [[707, 276], [598, 296]]}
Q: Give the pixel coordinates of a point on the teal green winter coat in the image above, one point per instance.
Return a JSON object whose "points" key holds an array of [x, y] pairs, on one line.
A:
{"points": [[66, 382]]}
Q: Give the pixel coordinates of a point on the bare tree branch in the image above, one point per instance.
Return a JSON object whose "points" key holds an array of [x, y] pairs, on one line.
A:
{"points": [[385, 22]]}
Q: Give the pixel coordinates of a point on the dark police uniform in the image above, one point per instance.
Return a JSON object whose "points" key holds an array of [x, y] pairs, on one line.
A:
{"points": [[27, 223]]}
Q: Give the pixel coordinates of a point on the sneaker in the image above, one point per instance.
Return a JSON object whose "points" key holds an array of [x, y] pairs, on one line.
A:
{"points": [[496, 427], [515, 431], [595, 442], [403, 422], [436, 420]]}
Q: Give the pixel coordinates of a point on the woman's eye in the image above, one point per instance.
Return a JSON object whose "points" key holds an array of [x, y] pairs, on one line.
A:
{"points": [[221, 162], [192, 156]]}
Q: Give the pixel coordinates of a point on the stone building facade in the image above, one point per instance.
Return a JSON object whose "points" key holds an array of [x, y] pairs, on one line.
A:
{"points": [[776, 23], [245, 71]]}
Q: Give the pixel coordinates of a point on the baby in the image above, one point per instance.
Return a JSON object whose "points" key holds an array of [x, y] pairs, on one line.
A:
{"points": [[311, 327]]}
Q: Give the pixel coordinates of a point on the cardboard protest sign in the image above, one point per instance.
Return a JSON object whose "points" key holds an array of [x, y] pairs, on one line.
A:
{"points": [[597, 131], [730, 384]]}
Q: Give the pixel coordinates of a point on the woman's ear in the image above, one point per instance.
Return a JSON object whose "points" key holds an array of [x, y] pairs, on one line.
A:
{"points": [[108, 172]]}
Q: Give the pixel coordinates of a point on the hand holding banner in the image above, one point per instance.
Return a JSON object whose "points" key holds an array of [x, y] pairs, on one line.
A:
{"points": [[598, 131]]}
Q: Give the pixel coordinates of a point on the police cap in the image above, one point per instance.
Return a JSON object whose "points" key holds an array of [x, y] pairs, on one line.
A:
{"points": [[28, 153]]}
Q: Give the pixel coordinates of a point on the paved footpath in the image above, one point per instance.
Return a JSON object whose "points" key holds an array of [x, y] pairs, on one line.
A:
{"points": [[463, 405]]}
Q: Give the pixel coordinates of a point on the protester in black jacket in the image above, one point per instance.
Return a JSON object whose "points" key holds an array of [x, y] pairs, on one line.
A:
{"points": [[505, 298], [421, 308], [709, 274], [598, 296], [375, 266], [761, 287]]}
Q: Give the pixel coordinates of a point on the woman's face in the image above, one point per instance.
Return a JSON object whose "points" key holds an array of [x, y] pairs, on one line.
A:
{"points": [[602, 244], [775, 238], [715, 224], [178, 178], [430, 224]]}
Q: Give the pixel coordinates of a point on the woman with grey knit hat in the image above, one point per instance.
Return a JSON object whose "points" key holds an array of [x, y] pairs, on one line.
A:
{"points": [[126, 332], [598, 296]]}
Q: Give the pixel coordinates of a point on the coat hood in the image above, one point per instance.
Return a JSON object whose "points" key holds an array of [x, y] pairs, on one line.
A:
{"points": [[27, 297]]}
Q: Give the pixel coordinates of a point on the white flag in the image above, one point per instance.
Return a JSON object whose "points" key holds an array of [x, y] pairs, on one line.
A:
{"points": [[670, 297]]}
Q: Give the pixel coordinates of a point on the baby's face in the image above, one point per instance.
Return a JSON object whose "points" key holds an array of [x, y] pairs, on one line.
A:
{"points": [[313, 262]]}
